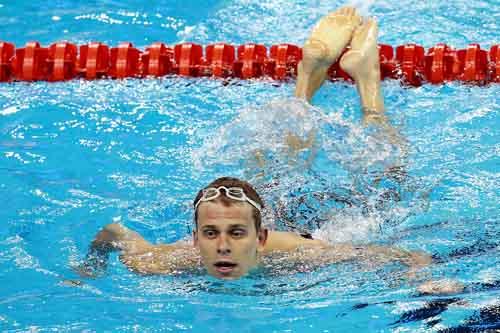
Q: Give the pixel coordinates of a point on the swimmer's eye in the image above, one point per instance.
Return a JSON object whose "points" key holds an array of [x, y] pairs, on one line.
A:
{"points": [[211, 234], [238, 233]]}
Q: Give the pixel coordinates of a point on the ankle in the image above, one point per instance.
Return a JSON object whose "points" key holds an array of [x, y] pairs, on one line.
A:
{"points": [[371, 95], [368, 80], [303, 82]]}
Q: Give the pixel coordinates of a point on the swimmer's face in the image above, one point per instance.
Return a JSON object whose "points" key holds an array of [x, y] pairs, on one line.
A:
{"points": [[227, 238]]}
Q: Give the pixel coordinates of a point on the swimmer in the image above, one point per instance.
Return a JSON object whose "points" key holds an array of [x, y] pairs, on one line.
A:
{"points": [[229, 239]]}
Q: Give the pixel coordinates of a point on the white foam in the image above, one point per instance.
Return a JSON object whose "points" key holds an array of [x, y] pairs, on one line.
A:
{"points": [[348, 228], [9, 110], [363, 6]]}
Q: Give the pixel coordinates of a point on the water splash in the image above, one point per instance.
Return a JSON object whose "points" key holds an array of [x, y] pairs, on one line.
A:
{"points": [[316, 171], [363, 6]]}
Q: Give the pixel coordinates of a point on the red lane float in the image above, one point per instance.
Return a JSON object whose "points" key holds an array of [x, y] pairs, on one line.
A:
{"points": [[7, 51], [283, 61], [388, 64], [124, 61], [220, 60], [495, 63], [251, 61], [30, 63], [188, 59], [93, 61], [441, 64], [157, 60], [61, 61], [473, 64], [409, 63], [411, 60]]}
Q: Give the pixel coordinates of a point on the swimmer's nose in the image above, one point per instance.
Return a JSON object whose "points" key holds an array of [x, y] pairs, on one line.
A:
{"points": [[223, 247]]}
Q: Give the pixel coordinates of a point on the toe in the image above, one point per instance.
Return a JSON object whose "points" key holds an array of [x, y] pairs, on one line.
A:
{"points": [[362, 29], [359, 28], [371, 22], [357, 20], [371, 27], [347, 11], [339, 11], [333, 14]]}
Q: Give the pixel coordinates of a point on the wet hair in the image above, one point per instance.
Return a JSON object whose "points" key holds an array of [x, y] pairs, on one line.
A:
{"points": [[233, 182]]}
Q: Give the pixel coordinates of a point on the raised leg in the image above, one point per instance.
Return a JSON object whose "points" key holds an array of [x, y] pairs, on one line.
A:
{"points": [[328, 39], [362, 63]]}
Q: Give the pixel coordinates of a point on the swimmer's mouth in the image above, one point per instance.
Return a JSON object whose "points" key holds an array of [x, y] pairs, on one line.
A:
{"points": [[224, 267]]}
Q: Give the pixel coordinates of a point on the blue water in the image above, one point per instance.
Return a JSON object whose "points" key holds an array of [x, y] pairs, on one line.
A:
{"points": [[77, 155]]}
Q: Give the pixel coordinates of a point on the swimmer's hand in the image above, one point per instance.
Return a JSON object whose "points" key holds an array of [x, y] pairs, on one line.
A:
{"points": [[95, 262], [416, 261], [136, 253], [440, 287]]}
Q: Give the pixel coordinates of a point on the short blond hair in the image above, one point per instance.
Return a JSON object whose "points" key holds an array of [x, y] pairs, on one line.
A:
{"points": [[250, 192]]}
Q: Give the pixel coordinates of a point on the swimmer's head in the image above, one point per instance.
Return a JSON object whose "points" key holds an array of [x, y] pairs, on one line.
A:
{"points": [[228, 230]]}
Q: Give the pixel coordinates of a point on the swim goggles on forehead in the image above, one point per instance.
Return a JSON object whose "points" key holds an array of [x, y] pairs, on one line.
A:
{"points": [[235, 193]]}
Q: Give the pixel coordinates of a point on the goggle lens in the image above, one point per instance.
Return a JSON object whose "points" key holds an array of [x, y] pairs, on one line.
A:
{"points": [[236, 193], [210, 193]]}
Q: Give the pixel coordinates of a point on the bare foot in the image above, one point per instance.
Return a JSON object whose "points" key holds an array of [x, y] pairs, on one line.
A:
{"points": [[361, 62], [328, 39]]}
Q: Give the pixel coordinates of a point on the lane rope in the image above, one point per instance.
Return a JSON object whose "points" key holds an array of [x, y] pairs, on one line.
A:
{"points": [[410, 63]]}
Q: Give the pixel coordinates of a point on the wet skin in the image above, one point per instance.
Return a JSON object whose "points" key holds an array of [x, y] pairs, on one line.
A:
{"points": [[227, 239], [227, 244]]}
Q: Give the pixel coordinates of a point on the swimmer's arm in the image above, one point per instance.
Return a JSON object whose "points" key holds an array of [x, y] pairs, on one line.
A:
{"points": [[136, 253], [325, 253], [320, 253], [380, 255], [384, 254], [415, 261], [113, 237], [163, 259]]}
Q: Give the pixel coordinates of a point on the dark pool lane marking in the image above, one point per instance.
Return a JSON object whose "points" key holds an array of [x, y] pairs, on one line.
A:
{"points": [[429, 310], [487, 319]]}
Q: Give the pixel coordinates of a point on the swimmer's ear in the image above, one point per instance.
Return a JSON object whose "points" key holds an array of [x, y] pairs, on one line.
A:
{"points": [[263, 233]]}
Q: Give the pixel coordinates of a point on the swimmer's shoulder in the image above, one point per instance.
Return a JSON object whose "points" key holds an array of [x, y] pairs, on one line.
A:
{"points": [[284, 241], [172, 258]]}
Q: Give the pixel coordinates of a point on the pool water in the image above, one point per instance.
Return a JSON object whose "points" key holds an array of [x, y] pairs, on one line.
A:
{"points": [[77, 155]]}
